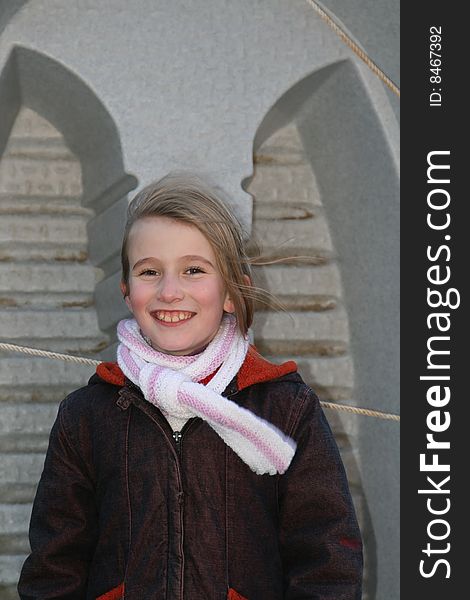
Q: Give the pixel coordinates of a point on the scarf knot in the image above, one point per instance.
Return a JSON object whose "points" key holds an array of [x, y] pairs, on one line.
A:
{"points": [[165, 391], [170, 382]]}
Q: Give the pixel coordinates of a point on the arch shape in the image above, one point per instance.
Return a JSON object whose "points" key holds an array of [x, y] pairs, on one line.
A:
{"points": [[46, 272], [351, 152], [49, 88], [8, 11]]}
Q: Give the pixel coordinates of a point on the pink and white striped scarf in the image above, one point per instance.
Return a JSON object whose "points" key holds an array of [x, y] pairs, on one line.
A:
{"points": [[170, 382]]}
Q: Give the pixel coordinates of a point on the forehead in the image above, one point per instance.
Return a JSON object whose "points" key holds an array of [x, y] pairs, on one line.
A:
{"points": [[163, 237]]}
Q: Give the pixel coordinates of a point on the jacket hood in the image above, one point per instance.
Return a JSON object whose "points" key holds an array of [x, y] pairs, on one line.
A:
{"points": [[255, 369]]}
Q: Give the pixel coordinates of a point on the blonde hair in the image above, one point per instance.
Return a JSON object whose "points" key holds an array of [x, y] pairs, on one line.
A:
{"points": [[186, 198]]}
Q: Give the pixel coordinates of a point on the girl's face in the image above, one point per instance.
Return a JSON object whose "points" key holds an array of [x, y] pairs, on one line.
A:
{"points": [[175, 293]]}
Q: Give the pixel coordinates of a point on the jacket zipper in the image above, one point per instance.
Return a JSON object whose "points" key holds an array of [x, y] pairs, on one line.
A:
{"points": [[177, 435], [125, 399], [178, 439]]}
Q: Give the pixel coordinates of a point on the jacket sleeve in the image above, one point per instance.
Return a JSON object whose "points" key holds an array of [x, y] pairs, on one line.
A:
{"points": [[63, 523], [321, 545]]}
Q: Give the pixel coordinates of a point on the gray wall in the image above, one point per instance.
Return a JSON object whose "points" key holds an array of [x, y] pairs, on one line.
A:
{"points": [[140, 87]]}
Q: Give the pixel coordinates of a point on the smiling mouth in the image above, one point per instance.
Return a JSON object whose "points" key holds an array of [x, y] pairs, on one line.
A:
{"points": [[172, 316]]}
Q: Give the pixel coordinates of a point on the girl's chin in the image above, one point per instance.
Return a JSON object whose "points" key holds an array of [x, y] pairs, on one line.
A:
{"points": [[178, 350], [184, 352]]}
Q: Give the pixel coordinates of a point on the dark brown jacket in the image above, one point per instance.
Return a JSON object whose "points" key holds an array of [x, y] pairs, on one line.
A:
{"points": [[123, 510]]}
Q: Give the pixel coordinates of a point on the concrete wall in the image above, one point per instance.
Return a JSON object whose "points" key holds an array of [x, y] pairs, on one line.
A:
{"points": [[133, 89]]}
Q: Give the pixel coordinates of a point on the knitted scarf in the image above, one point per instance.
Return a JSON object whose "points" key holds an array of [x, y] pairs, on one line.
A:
{"points": [[170, 382]]}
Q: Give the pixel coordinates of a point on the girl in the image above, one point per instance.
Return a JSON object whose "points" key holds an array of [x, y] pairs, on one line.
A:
{"points": [[193, 468]]}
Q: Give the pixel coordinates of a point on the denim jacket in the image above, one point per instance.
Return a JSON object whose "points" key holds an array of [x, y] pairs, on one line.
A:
{"points": [[127, 509]]}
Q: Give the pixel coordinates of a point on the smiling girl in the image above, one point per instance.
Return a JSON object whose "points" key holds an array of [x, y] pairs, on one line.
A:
{"points": [[192, 468], [174, 288]]}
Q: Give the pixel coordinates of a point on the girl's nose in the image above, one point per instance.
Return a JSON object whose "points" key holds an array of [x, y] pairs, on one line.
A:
{"points": [[169, 289]]}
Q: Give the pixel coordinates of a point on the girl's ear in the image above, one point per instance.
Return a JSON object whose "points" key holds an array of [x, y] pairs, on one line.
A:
{"points": [[125, 294], [229, 306]]}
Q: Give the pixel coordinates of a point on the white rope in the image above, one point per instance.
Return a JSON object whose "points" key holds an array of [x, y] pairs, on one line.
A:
{"points": [[48, 354], [89, 361], [354, 47]]}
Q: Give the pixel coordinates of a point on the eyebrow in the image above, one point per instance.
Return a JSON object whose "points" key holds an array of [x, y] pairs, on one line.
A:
{"points": [[194, 257]]}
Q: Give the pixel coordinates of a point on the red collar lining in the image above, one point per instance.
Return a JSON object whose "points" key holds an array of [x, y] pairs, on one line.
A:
{"points": [[255, 369]]}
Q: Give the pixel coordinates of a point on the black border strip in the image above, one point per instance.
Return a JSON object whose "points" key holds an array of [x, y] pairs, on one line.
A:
{"points": [[434, 568]]}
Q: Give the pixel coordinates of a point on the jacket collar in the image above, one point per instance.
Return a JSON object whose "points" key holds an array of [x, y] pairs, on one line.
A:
{"points": [[255, 369]]}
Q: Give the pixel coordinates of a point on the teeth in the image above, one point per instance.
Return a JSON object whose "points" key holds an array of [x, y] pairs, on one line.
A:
{"points": [[172, 317]]}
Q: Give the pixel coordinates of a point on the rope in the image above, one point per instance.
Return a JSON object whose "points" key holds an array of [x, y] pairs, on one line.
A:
{"points": [[89, 361], [354, 47], [361, 411], [48, 354]]}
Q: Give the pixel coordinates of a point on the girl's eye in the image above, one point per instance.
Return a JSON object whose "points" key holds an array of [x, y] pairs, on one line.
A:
{"points": [[153, 272], [194, 270]]}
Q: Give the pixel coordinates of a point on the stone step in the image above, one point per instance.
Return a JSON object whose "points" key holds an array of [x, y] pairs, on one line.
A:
{"points": [[14, 543], [8, 592], [38, 148], [27, 378], [21, 468], [30, 125], [291, 256], [25, 252], [322, 371], [280, 210], [286, 138], [288, 255], [47, 277], [43, 229], [30, 175], [304, 233], [83, 347], [17, 493], [300, 279], [14, 518], [19, 326], [302, 326], [10, 568], [32, 393], [48, 300], [284, 147], [19, 443], [290, 185], [18, 205], [271, 156], [299, 303], [314, 348], [26, 419], [329, 372]]}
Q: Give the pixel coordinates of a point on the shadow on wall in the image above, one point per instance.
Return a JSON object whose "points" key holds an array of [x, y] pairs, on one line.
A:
{"points": [[344, 143], [8, 9], [33, 80], [63, 199]]}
